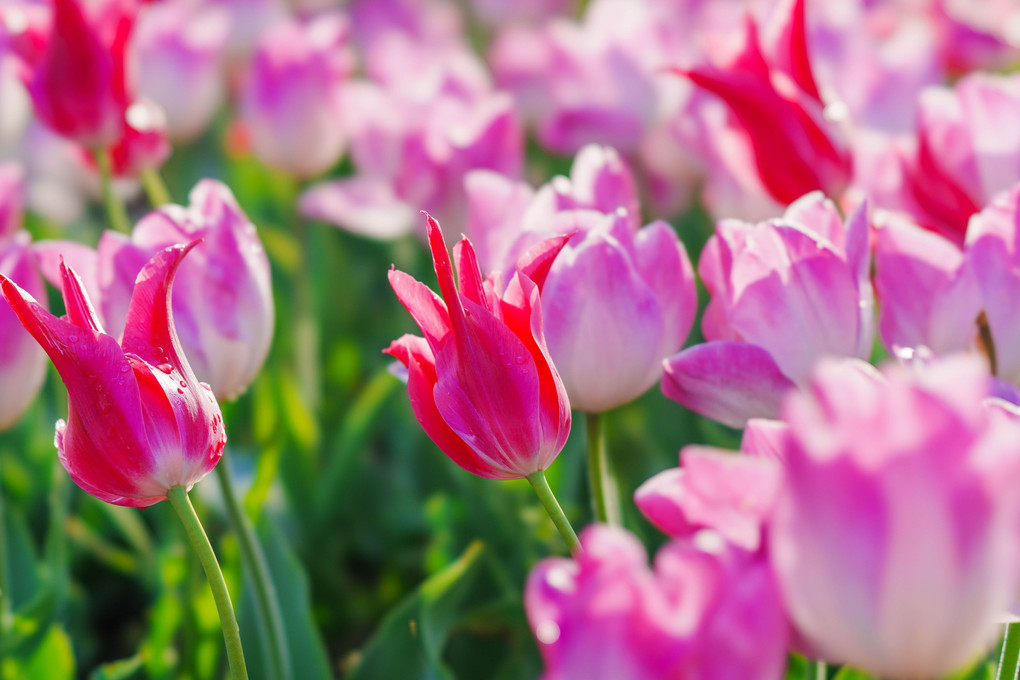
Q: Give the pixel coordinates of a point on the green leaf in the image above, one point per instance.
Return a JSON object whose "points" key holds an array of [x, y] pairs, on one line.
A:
{"points": [[308, 657], [409, 643], [51, 659], [125, 669], [984, 670], [847, 673]]}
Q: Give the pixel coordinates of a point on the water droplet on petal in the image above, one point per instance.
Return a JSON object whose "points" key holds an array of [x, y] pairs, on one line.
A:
{"points": [[180, 390], [105, 408], [206, 386], [125, 368], [519, 360], [166, 368], [156, 351], [72, 338], [184, 384], [111, 433]]}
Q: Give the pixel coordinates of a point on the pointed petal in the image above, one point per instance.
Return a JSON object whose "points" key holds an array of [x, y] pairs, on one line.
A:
{"points": [[726, 381], [426, 308], [79, 308]]}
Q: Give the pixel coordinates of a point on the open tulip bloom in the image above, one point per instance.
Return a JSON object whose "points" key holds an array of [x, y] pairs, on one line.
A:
{"points": [[140, 427], [480, 381]]}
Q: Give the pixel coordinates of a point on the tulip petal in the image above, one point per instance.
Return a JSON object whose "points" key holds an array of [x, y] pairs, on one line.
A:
{"points": [[361, 205], [726, 381]]}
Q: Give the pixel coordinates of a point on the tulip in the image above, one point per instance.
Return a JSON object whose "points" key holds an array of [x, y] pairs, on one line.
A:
{"points": [[480, 381], [223, 301], [894, 534], [713, 489], [708, 611], [79, 82], [291, 103], [139, 422], [144, 144], [180, 46], [22, 363], [634, 291], [778, 105], [784, 293]]}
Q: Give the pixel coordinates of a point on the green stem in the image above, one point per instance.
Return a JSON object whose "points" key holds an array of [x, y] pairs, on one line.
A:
{"points": [[306, 329], [114, 208], [1008, 662], [541, 486], [604, 497], [155, 188], [6, 610], [815, 670], [178, 497], [267, 606]]}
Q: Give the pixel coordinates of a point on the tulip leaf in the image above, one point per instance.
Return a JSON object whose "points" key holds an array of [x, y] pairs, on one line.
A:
{"points": [[125, 669], [308, 657], [847, 673], [52, 658], [984, 670], [409, 643]]}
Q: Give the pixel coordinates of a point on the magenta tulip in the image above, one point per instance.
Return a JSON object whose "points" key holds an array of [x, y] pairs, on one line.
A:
{"points": [[139, 422], [22, 363], [707, 611], [894, 535], [80, 81], [480, 381]]}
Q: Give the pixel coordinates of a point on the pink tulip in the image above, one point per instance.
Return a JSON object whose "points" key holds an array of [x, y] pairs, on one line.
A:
{"points": [[713, 489], [707, 611], [966, 151], [784, 293], [633, 291], [80, 82], [500, 12], [480, 381], [291, 103], [894, 535], [778, 104], [180, 46], [22, 363], [139, 423], [223, 303], [144, 144]]}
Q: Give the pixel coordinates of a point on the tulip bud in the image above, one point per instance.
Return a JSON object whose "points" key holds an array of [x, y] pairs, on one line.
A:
{"points": [[139, 423], [291, 105], [894, 537], [79, 82], [480, 381], [634, 292]]}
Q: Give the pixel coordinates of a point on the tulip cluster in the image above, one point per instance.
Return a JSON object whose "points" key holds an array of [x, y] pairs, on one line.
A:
{"points": [[845, 176]]}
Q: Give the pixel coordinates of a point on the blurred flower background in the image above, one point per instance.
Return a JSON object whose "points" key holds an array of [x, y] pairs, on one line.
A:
{"points": [[687, 218]]}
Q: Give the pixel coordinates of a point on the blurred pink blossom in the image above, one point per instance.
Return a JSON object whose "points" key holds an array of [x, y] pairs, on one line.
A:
{"points": [[180, 48], [893, 535], [706, 611], [292, 101]]}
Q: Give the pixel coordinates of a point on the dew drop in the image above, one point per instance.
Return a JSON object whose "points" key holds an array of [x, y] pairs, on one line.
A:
{"points": [[99, 387], [206, 386], [111, 433], [519, 360], [180, 390], [73, 338], [508, 365], [184, 384], [156, 351], [125, 368], [105, 408], [166, 368]]}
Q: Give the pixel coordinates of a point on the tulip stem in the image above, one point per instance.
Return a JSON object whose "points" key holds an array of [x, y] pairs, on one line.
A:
{"points": [[155, 188], [604, 497], [267, 606], [541, 486], [815, 670], [178, 497], [1010, 653], [6, 610], [114, 208]]}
